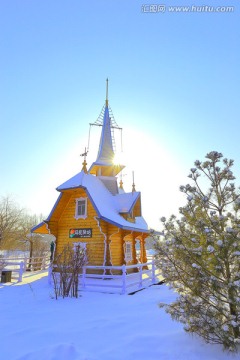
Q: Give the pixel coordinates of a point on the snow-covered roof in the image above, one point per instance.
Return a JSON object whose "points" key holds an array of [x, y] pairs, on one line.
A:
{"points": [[107, 205], [110, 182], [126, 201]]}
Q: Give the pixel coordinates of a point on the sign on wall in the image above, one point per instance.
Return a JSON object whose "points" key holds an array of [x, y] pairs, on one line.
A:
{"points": [[80, 233]]}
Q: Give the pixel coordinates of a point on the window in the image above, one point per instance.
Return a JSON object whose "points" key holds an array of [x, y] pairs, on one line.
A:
{"points": [[128, 251], [81, 208], [80, 248], [138, 250]]}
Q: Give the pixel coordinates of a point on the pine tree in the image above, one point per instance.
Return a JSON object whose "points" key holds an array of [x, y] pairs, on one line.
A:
{"points": [[199, 255]]}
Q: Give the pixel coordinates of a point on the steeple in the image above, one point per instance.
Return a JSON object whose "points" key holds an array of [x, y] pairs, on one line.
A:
{"points": [[104, 164], [105, 151]]}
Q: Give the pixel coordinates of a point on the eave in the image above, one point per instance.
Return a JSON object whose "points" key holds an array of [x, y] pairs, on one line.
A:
{"points": [[41, 228], [125, 227]]}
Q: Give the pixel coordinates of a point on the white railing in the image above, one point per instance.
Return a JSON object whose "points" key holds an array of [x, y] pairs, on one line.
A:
{"points": [[124, 283], [16, 267], [19, 265]]}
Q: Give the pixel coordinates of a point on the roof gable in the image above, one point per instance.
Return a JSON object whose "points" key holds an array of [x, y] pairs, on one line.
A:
{"points": [[126, 201], [107, 205]]}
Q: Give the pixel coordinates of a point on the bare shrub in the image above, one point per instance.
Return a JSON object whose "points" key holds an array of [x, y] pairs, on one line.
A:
{"points": [[68, 265]]}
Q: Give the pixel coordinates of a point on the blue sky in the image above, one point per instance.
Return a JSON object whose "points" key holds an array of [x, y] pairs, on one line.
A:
{"points": [[173, 87]]}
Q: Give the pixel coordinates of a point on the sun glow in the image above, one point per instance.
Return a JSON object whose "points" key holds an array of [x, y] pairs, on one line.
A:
{"points": [[157, 174], [118, 158]]}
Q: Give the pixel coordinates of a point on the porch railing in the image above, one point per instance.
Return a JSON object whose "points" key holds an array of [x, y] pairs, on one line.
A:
{"points": [[124, 283]]}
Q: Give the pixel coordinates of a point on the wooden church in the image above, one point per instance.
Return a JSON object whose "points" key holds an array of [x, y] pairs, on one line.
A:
{"points": [[94, 211]]}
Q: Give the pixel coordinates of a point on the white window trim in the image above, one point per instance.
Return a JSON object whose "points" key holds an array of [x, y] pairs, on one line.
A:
{"points": [[128, 251], [84, 216]]}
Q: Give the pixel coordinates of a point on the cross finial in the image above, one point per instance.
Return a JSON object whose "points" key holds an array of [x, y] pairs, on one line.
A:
{"points": [[84, 168], [133, 185], [121, 182], [107, 92]]}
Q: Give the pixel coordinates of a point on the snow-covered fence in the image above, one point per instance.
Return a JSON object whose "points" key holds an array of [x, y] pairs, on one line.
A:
{"points": [[20, 264], [141, 276], [37, 263], [16, 267]]}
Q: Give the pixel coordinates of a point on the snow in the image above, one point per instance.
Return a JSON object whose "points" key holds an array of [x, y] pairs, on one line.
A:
{"points": [[210, 249], [220, 243], [236, 253], [96, 326], [195, 266]]}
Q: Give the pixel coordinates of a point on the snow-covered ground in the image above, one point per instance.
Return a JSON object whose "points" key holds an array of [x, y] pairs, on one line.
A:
{"points": [[35, 326]]}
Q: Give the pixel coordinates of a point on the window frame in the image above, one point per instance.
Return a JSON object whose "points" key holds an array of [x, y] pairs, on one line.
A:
{"points": [[83, 216], [128, 255]]}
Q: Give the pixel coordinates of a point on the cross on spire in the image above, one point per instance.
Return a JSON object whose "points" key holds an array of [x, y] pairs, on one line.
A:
{"points": [[133, 185], [84, 168], [121, 181]]}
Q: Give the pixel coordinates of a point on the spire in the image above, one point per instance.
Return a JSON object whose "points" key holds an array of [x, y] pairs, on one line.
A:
{"points": [[133, 185], [104, 163], [105, 151], [106, 93]]}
